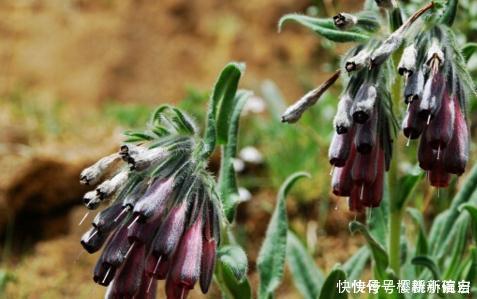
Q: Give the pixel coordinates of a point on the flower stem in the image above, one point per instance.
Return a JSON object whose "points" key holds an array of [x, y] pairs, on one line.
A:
{"points": [[395, 211]]}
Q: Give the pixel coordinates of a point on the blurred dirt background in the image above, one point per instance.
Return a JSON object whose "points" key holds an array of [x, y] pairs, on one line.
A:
{"points": [[61, 61]]}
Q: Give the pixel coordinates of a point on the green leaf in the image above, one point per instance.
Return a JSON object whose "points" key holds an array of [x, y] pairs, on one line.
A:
{"points": [[227, 176], [356, 264], [472, 209], [406, 184], [271, 259], [307, 278], [468, 50], [219, 111], [442, 234], [450, 12], [428, 263], [325, 28], [472, 273], [380, 256], [422, 247], [330, 288], [456, 250], [234, 258], [231, 288]]}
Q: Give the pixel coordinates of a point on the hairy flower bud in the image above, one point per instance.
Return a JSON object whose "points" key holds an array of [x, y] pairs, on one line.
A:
{"points": [[365, 138], [140, 161], [414, 87], [152, 204], [339, 149], [109, 187], [432, 96], [358, 62], [91, 200], [408, 62], [345, 21], [92, 174], [363, 104], [343, 120], [412, 124]]}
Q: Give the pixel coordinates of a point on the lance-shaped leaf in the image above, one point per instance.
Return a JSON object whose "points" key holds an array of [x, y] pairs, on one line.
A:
{"points": [[472, 272], [307, 278], [444, 223], [428, 263], [234, 258], [330, 288], [271, 259], [472, 209], [407, 184], [422, 247], [355, 265], [468, 50], [227, 179], [380, 256], [325, 28], [229, 285], [450, 12], [219, 112]]}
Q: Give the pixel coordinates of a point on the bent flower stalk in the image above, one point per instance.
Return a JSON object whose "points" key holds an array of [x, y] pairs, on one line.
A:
{"points": [[163, 219]]}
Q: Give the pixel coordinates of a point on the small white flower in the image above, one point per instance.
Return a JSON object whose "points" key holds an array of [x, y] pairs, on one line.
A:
{"points": [[251, 155]]}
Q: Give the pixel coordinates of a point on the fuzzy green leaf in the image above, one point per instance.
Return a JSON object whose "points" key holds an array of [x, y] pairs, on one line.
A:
{"points": [[468, 50], [330, 288], [422, 247], [271, 259], [356, 264], [222, 97], [227, 178], [231, 288], [450, 12], [472, 209], [428, 263], [380, 256], [407, 184], [324, 28], [234, 258], [307, 278]]}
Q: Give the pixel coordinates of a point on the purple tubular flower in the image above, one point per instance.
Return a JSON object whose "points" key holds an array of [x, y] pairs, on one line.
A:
{"points": [[143, 232], [365, 138], [93, 240], [175, 290], [103, 272], [104, 221], [414, 87], [127, 281], [365, 168], [373, 193], [185, 270], [363, 105], [152, 204], [457, 153], [438, 176], [440, 130], [341, 181], [169, 234], [339, 149], [412, 124], [426, 155], [115, 251], [432, 96], [211, 238]]}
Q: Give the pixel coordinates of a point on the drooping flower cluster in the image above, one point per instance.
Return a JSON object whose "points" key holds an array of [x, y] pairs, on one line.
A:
{"points": [[163, 219], [435, 95], [360, 151]]}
